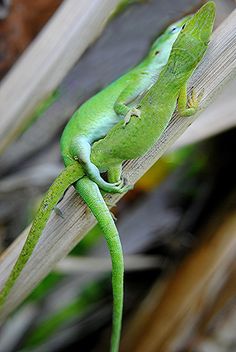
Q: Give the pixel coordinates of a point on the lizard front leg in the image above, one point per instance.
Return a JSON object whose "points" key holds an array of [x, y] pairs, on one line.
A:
{"points": [[129, 95]]}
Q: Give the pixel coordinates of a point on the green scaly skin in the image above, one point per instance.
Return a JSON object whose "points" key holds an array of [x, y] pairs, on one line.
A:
{"points": [[157, 106], [104, 116], [66, 178]]}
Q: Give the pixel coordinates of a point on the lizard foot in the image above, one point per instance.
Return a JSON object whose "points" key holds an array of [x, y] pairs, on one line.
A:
{"points": [[125, 187], [132, 112], [195, 99], [192, 104], [121, 187], [118, 187]]}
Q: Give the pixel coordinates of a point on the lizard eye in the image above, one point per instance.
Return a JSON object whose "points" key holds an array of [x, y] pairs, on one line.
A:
{"points": [[156, 52], [183, 26], [173, 29]]}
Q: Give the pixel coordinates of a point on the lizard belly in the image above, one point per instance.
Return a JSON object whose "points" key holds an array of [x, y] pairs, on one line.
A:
{"points": [[101, 126]]}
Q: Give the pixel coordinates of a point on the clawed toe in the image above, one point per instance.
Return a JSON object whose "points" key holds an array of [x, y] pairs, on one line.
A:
{"points": [[125, 188], [200, 95], [118, 183], [195, 99], [124, 180]]}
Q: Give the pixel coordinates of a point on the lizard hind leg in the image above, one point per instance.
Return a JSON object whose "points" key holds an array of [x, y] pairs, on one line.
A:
{"points": [[188, 106], [81, 150], [114, 173]]}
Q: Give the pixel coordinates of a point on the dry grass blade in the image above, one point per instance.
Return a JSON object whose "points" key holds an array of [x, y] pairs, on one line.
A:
{"points": [[42, 67], [61, 235], [189, 293], [75, 265]]}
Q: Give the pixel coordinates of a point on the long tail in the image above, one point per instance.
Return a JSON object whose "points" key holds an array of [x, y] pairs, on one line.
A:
{"points": [[66, 178], [91, 194]]}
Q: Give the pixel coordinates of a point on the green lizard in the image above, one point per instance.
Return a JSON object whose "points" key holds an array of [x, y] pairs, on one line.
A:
{"points": [[132, 83], [157, 106], [104, 116]]}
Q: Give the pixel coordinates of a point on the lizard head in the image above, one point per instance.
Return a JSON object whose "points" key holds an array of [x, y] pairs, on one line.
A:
{"points": [[161, 48], [192, 42], [201, 24]]}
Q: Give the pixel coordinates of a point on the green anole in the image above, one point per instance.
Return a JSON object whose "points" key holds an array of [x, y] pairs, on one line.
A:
{"points": [[106, 123]]}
